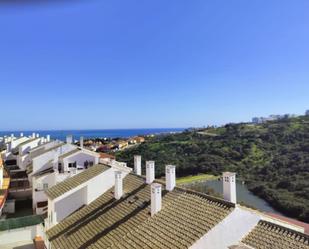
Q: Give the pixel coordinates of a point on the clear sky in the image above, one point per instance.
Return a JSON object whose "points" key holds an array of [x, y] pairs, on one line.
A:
{"points": [[139, 64]]}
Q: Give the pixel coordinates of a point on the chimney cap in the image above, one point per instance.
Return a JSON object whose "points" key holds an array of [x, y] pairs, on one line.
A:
{"points": [[118, 172], [156, 185], [170, 166], [229, 174], [150, 163]]}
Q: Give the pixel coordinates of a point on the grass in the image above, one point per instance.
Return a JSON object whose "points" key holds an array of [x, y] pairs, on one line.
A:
{"points": [[195, 178]]}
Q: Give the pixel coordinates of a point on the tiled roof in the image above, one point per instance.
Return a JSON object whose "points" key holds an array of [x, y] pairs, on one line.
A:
{"points": [[267, 235], [29, 168], [49, 149], [27, 141], [291, 221], [127, 223], [69, 153], [44, 172], [73, 182]]}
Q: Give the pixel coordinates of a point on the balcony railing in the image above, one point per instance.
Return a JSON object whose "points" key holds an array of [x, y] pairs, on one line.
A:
{"points": [[25, 221]]}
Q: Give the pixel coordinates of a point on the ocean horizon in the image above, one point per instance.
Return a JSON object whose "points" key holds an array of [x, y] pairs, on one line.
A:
{"points": [[94, 133]]}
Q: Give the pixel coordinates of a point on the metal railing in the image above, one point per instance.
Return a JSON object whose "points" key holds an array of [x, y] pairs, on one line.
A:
{"points": [[20, 222]]}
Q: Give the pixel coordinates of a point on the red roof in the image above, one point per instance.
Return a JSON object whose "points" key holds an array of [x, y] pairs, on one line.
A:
{"points": [[105, 155], [292, 221]]}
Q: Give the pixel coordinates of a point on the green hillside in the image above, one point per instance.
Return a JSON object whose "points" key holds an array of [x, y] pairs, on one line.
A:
{"points": [[273, 158]]}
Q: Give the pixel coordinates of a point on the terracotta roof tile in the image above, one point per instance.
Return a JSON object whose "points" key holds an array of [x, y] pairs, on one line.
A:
{"points": [[127, 223], [267, 235]]}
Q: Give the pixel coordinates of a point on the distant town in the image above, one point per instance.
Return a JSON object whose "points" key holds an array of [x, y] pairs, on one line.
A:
{"points": [[260, 120], [74, 194], [106, 145]]}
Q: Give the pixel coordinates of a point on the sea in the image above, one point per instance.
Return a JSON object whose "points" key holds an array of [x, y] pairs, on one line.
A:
{"points": [[105, 133]]}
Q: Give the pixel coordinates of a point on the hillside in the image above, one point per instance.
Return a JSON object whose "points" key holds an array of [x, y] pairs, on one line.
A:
{"points": [[273, 158]]}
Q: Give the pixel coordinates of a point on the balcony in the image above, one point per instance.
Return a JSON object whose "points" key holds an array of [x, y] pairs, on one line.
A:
{"points": [[21, 185]]}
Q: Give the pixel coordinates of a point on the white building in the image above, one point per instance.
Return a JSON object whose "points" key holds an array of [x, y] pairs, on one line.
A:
{"points": [[108, 206], [78, 158], [79, 190], [134, 214], [24, 149], [61, 163]]}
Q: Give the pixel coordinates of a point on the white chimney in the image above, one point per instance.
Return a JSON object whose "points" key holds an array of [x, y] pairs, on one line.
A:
{"points": [[150, 171], [33, 135], [37, 135], [81, 142], [138, 165], [156, 198], [47, 138], [229, 186], [69, 139], [12, 135], [118, 192], [170, 177], [21, 134]]}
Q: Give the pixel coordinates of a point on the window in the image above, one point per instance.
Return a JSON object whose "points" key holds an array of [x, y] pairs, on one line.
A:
{"points": [[39, 186], [45, 186], [86, 163], [72, 165]]}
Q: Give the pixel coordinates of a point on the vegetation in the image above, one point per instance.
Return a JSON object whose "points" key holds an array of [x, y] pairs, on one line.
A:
{"points": [[273, 158], [199, 177]]}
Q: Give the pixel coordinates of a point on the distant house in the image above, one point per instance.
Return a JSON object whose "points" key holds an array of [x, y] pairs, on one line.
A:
{"points": [[121, 144], [139, 139], [104, 148], [256, 120], [105, 155], [107, 158]]}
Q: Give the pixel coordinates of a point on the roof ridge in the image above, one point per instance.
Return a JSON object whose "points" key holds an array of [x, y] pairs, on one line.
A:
{"points": [[49, 149], [76, 180], [304, 235], [189, 191]]}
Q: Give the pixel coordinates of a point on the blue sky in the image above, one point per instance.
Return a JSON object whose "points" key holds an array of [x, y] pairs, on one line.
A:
{"points": [[138, 64]]}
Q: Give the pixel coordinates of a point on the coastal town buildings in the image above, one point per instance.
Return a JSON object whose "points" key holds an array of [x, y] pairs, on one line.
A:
{"points": [[34, 164], [136, 213], [83, 200]]}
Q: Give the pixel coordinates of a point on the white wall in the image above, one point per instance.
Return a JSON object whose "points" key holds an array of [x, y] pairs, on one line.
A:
{"points": [[91, 190], [101, 184], [79, 157], [20, 234], [42, 162], [18, 141], [23, 149], [38, 183], [70, 203], [229, 231], [36, 151]]}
